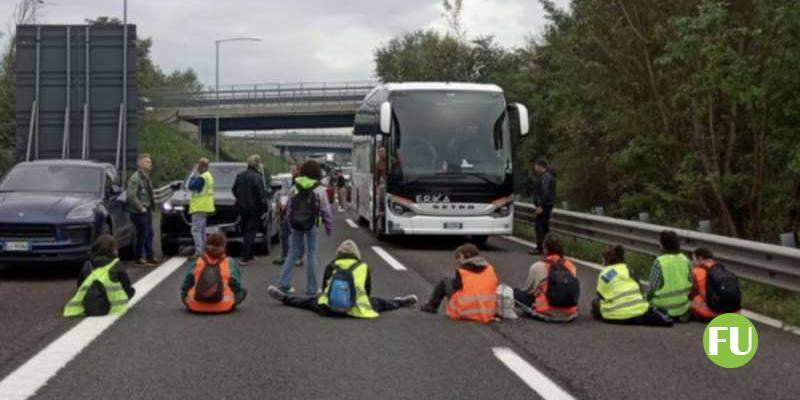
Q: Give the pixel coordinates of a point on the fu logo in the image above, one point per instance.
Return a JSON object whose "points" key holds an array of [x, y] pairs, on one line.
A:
{"points": [[730, 340]]}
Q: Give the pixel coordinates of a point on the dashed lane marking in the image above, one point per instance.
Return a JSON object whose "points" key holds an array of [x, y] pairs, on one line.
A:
{"points": [[26, 380], [532, 377], [768, 321], [352, 223], [397, 265]]}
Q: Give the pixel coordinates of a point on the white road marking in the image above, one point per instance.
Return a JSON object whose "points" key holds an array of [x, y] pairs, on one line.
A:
{"points": [[397, 265], [769, 321], [532, 377], [26, 380], [351, 223]]}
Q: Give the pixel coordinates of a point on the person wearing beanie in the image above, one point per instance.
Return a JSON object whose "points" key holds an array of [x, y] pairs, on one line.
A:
{"points": [[346, 288]]}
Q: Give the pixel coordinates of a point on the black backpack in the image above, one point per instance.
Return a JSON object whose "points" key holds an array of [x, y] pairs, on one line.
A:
{"points": [[722, 290], [210, 287], [563, 289], [305, 209], [95, 301]]}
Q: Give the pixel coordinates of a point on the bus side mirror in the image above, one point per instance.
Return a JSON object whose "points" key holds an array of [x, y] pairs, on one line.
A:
{"points": [[524, 124], [386, 117]]}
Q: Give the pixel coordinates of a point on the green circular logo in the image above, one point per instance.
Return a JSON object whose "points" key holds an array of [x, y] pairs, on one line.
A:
{"points": [[730, 341]]}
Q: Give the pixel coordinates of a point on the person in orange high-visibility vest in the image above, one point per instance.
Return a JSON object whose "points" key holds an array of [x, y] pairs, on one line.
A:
{"points": [[472, 293], [703, 260], [201, 292], [533, 298]]}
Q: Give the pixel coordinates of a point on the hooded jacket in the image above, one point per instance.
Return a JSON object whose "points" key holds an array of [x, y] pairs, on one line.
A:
{"points": [[475, 264]]}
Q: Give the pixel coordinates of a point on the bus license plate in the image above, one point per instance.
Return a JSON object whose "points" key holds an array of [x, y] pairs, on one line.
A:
{"points": [[453, 225], [17, 246]]}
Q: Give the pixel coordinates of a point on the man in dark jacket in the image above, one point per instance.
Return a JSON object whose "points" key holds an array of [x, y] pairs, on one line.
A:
{"points": [[251, 202], [545, 199]]}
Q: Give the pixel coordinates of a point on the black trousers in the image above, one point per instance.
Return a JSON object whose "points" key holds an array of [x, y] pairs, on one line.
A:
{"points": [[652, 317], [249, 227], [445, 288], [542, 225], [311, 303]]}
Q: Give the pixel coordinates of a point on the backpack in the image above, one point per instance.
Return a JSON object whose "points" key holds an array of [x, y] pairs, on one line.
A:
{"points": [[722, 290], [209, 287], [563, 289], [305, 209], [95, 301], [505, 302], [342, 289]]}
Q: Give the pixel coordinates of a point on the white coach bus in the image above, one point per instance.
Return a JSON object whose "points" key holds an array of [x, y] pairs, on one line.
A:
{"points": [[434, 158]]}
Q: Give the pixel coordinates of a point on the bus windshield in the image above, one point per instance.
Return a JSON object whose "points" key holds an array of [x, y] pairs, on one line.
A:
{"points": [[453, 135]]}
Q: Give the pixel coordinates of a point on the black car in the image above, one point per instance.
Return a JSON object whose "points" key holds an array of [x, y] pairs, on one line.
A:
{"points": [[52, 210], [176, 223]]}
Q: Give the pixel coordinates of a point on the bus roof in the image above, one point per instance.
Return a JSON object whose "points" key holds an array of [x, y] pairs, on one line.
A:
{"points": [[455, 86]]}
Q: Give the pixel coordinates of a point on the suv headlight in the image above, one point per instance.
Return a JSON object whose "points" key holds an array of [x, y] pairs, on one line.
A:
{"points": [[84, 211]]}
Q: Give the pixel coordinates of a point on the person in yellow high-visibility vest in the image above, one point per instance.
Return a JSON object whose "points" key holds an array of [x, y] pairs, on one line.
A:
{"points": [[201, 204], [103, 285]]}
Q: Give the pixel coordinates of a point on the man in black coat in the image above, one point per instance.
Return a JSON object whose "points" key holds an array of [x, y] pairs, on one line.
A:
{"points": [[252, 202], [545, 199]]}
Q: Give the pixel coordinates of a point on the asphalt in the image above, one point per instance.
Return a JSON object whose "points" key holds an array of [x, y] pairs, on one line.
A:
{"points": [[267, 350]]}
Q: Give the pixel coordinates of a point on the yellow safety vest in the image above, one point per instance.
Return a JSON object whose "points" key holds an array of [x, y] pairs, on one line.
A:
{"points": [[363, 308], [203, 202], [673, 296], [621, 296], [116, 294]]}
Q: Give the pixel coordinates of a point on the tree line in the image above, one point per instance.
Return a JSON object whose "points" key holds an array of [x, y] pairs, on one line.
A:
{"points": [[688, 110]]}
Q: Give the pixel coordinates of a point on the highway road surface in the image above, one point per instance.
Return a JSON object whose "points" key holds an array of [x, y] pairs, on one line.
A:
{"points": [[265, 350]]}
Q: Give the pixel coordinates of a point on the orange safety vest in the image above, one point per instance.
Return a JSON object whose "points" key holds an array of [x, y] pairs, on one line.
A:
{"points": [[477, 299], [541, 305], [227, 303], [699, 306]]}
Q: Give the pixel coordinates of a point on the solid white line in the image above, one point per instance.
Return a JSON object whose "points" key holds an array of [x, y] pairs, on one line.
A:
{"points": [[532, 377], [351, 223], [388, 258], [769, 321], [26, 380]]}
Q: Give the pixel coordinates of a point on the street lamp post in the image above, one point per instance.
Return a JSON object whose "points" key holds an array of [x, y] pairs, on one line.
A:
{"points": [[216, 119]]}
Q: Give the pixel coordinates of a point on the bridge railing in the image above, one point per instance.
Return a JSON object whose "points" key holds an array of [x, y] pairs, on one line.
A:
{"points": [[760, 262], [265, 94]]}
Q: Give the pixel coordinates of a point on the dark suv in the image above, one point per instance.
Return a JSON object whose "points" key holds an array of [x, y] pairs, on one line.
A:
{"points": [[52, 210]]}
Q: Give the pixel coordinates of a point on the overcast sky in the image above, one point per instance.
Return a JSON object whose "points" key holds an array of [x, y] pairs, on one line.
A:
{"points": [[303, 40]]}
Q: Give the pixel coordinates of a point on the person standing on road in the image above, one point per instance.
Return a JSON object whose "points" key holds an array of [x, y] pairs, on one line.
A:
{"points": [[103, 285], [341, 189], [545, 199], [140, 206], [286, 230], [540, 297], [214, 285], [349, 276], [201, 204], [472, 293], [308, 203], [671, 279], [619, 294], [252, 199]]}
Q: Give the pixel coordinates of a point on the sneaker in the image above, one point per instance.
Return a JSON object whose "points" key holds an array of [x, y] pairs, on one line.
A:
{"points": [[299, 262], [406, 301], [242, 262], [534, 252], [684, 318], [429, 308], [277, 293], [279, 261], [153, 262], [141, 262]]}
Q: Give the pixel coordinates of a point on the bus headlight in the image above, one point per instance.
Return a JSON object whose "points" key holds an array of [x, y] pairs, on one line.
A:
{"points": [[504, 211], [399, 209]]}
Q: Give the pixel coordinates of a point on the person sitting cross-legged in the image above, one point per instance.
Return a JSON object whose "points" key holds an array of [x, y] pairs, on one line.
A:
{"points": [[214, 284]]}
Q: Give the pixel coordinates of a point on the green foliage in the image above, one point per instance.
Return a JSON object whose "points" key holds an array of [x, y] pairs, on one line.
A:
{"points": [[239, 149], [173, 152]]}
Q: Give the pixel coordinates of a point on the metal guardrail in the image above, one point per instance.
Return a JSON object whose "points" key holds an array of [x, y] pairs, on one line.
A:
{"points": [[163, 193], [264, 94], [760, 262]]}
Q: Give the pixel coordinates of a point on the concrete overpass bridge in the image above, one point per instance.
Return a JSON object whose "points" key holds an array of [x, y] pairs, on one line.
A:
{"points": [[265, 106], [304, 142]]}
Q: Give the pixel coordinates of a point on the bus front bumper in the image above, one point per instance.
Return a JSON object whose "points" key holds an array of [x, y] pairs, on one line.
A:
{"points": [[451, 225]]}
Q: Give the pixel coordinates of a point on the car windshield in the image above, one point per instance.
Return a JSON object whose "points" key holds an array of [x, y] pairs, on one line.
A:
{"points": [[53, 178], [453, 134], [225, 175]]}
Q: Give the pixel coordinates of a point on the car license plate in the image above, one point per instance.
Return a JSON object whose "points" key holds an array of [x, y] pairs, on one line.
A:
{"points": [[17, 246], [453, 225]]}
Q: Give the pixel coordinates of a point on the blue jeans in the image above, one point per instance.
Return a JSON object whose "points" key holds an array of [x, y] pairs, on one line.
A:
{"points": [[199, 223], [286, 233], [312, 260], [144, 234]]}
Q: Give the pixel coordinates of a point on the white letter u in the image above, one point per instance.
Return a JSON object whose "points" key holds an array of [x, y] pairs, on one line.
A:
{"points": [[734, 344]]}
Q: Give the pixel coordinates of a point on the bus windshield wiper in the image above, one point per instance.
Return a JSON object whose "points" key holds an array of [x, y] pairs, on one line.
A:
{"points": [[484, 177]]}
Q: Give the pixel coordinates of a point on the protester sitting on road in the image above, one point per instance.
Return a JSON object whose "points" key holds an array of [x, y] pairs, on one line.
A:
{"points": [[214, 285], [715, 290], [103, 285], [472, 293], [308, 203], [671, 279], [346, 288], [201, 204], [620, 298], [552, 290]]}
